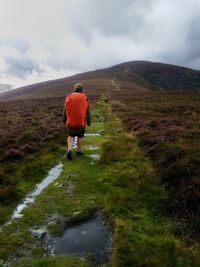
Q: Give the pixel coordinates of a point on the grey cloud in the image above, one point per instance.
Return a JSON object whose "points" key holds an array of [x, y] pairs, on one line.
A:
{"points": [[188, 53], [20, 45], [5, 87], [21, 67], [98, 33], [122, 18], [193, 40], [144, 23]]}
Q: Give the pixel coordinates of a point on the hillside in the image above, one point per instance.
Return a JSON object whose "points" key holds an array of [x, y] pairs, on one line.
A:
{"points": [[134, 76]]}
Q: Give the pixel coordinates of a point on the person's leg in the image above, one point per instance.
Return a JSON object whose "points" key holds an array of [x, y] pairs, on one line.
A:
{"points": [[80, 135], [79, 143], [69, 147], [70, 140]]}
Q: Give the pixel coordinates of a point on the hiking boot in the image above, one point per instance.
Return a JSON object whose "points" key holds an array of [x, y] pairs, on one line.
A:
{"points": [[69, 155], [79, 153]]}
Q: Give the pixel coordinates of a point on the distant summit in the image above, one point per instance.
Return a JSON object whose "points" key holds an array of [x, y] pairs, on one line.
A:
{"points": [[130, 77], [163, 76]]}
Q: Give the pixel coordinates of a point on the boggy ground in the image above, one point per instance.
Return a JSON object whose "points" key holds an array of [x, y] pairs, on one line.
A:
{"points": [[122, 185]]}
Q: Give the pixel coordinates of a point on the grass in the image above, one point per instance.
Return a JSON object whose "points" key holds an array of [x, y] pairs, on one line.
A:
{"points": [[125, 186]]}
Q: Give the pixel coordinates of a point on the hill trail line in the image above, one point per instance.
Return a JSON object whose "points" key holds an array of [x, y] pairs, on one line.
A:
{"points": [[114, 179], [115, 84]]}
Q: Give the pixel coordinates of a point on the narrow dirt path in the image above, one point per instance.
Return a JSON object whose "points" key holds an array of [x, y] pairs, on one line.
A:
{"points": [[115, 84]]}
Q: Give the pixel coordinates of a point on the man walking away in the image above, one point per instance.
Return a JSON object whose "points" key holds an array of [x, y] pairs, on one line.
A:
{"points": [[76, 114]]}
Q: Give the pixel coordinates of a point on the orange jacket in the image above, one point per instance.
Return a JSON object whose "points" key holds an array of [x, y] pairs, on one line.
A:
{"points": [[76, 106]]}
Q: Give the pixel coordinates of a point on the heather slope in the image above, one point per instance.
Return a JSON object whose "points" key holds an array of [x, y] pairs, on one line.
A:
{"points": [[167, 128], [163, 76]]}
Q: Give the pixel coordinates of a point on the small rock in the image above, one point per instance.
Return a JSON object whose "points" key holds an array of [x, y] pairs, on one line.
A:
{"points": [[53, 217], [39, 233], [52, 222], [76, 213]]}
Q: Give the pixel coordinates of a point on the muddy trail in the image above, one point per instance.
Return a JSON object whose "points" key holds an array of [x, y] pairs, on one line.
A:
{"points": [[105, 208]]}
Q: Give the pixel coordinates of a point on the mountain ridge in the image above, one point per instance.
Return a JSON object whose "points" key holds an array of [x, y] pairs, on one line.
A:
{"points": [[136, 76]]}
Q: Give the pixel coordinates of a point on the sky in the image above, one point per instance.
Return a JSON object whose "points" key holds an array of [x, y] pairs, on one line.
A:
{"points": [[48, 39]]}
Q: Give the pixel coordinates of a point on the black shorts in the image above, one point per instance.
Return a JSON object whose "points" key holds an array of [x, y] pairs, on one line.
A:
{"points": [[79, 132]]}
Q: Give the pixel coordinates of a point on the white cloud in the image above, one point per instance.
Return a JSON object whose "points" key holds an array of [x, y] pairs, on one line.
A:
{"points": [[48, 39]]}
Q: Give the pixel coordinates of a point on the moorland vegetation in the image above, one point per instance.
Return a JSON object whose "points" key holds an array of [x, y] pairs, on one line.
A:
{"points": [[167, 126]]}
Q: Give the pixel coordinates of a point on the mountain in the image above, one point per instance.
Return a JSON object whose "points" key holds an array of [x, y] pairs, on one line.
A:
{"points": [[133, 76]]}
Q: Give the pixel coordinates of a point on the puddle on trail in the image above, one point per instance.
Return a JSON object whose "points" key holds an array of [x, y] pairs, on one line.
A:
{"points": [[95, 156], [93, 134], [91, 147], [52, 175], [90, 236]]}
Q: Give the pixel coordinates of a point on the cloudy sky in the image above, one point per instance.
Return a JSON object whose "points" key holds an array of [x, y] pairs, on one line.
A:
{"points": [[47, 39]]}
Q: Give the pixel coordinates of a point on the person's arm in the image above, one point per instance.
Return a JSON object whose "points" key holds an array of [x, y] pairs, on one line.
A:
{"points": [[88, 116], [64, 115]]}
